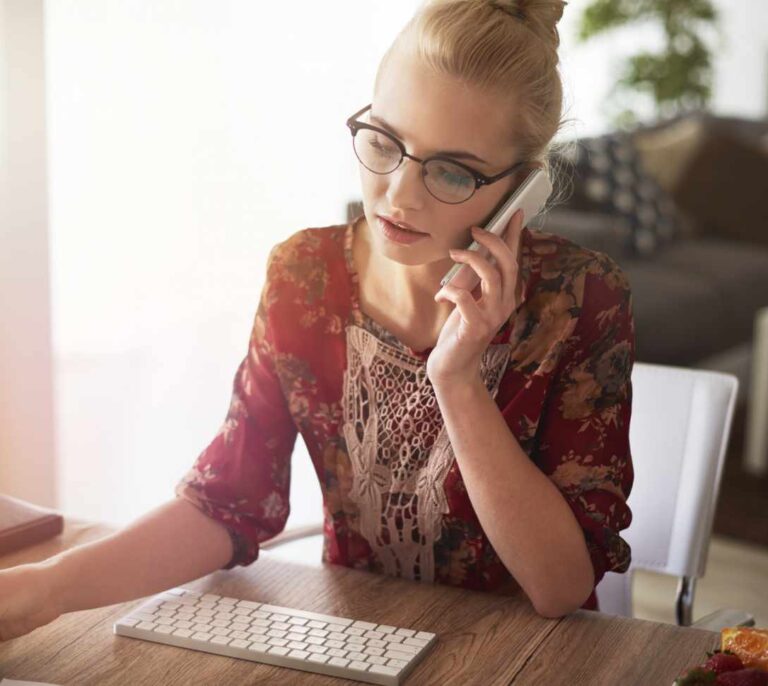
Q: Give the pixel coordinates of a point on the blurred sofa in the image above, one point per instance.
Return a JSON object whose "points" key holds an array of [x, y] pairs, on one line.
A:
{"points": [[699, 282]]}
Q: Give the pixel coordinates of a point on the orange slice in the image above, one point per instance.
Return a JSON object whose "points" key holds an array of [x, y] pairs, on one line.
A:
{"points": [[751, 645]]}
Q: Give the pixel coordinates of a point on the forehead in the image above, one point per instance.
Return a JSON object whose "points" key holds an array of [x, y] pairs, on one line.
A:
{"points": [[436, 112]]}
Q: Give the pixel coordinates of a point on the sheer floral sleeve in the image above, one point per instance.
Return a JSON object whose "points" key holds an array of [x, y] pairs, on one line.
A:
{"points": [[242, 478], [584, 434]]}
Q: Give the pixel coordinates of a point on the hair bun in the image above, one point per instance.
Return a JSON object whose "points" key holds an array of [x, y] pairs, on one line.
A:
{"points": [[541, 16]]}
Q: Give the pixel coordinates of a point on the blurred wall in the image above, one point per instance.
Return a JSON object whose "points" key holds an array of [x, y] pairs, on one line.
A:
{"points": [[27, 466]]}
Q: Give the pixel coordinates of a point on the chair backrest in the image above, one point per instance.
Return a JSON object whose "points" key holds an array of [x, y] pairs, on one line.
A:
{"points": [[681, 420]]}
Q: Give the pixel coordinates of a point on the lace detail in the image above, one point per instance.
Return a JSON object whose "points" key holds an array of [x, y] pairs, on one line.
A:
{"points": [[399, 449]]}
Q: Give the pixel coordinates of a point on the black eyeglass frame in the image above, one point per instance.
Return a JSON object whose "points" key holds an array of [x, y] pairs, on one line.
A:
{"points": [[480, 179]]}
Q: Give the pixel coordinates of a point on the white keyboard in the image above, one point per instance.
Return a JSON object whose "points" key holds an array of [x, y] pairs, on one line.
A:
{"points": [[282, 636]]}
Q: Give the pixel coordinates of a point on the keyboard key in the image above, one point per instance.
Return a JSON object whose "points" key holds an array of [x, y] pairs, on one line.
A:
{"points": [[317, 657], [183, 633], [364, 625], [247, 603], [277, 650], [316, 649], [357, 656], [395, 655], [380, 669], [241, 611], [353, 631]]}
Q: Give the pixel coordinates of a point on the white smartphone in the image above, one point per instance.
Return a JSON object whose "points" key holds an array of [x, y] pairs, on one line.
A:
{"points": [[530, 195]]}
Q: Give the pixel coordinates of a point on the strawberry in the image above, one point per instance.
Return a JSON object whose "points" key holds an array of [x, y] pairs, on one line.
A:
{"points": [[743, 677], [697, 677], [720, 662]]}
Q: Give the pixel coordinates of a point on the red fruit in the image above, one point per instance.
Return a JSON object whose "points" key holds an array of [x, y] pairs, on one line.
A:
{"points": [[696, 676], [743, 677], [723, 662]]}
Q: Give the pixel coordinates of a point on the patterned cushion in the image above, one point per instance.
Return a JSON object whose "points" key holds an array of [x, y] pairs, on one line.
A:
{"points": [[608, 176]]}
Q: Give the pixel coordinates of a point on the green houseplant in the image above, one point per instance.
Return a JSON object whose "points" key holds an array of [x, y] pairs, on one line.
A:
{"points": [[677, 78]]}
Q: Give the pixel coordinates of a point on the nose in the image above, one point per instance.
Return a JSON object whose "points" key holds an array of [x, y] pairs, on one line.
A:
{"points": [[406, 189]]}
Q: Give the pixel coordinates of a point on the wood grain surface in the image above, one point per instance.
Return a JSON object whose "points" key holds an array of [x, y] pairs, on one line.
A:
{"points": [[483, 638]]}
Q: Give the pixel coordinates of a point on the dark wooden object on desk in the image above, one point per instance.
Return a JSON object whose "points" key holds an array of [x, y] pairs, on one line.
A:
{"points": [[482, 638], [23, 524]]}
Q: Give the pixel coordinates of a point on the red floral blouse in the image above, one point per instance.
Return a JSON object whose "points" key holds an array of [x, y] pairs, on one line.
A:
{"points": [[393, 497]]}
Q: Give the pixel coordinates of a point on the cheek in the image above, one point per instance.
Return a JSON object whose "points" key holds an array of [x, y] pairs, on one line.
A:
{"points": [[372, 185]]}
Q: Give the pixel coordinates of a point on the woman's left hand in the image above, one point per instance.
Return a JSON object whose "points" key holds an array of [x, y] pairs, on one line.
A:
{"points": [[473, 323]]}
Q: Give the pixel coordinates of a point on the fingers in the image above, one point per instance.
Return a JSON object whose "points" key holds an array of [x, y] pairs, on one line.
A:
{"points": [[490, 278], [465, 304], [505, 251]]}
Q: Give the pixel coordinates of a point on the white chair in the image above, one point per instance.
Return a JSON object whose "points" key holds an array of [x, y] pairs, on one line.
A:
{"points": [[681, 420]]}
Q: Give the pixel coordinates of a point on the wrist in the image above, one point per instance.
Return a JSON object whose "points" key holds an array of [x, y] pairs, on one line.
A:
{"points": [[52, 575], [459, 389]]}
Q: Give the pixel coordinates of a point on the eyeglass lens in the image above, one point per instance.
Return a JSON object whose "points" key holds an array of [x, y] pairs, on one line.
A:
{"points": [[380, 154]]}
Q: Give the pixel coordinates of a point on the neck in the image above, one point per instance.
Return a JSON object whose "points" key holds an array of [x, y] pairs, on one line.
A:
{"points": [[408, 289]]}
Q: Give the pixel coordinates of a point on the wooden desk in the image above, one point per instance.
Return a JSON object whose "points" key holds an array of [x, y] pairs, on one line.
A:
{"points": [[483, 639]]}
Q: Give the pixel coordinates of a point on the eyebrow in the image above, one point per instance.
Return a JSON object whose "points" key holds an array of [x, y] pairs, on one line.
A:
{"points": [[458, 154]]}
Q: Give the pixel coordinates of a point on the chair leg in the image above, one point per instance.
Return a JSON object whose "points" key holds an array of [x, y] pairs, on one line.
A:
{"points": [[684, 605], [756, 454]]}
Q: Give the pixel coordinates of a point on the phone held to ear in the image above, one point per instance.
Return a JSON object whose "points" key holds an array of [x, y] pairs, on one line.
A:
{"points": [[529, 196]]}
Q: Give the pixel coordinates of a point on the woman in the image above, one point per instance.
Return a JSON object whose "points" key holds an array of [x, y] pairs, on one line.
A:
{"points": [[476, 439]]}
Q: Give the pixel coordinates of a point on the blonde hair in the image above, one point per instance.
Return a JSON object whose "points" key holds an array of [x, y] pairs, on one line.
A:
{"points": [[506, 48]]}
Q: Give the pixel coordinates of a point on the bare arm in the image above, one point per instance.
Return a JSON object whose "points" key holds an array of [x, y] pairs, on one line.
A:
{"points": [[170, 545], [520, 509]]}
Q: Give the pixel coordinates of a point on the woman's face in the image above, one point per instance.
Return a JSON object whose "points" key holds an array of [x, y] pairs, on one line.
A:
{"points": [[431, 115]]}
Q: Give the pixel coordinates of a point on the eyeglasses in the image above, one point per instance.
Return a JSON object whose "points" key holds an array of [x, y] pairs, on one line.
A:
{"points": [[446, 179]]}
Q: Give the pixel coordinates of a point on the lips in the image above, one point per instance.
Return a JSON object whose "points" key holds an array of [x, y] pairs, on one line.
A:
{"points": [[395, 234], [401, 224]]}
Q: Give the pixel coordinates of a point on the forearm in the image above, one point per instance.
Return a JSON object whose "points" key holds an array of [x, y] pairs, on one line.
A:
{"points": [[170, 545], [524, 515]]}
